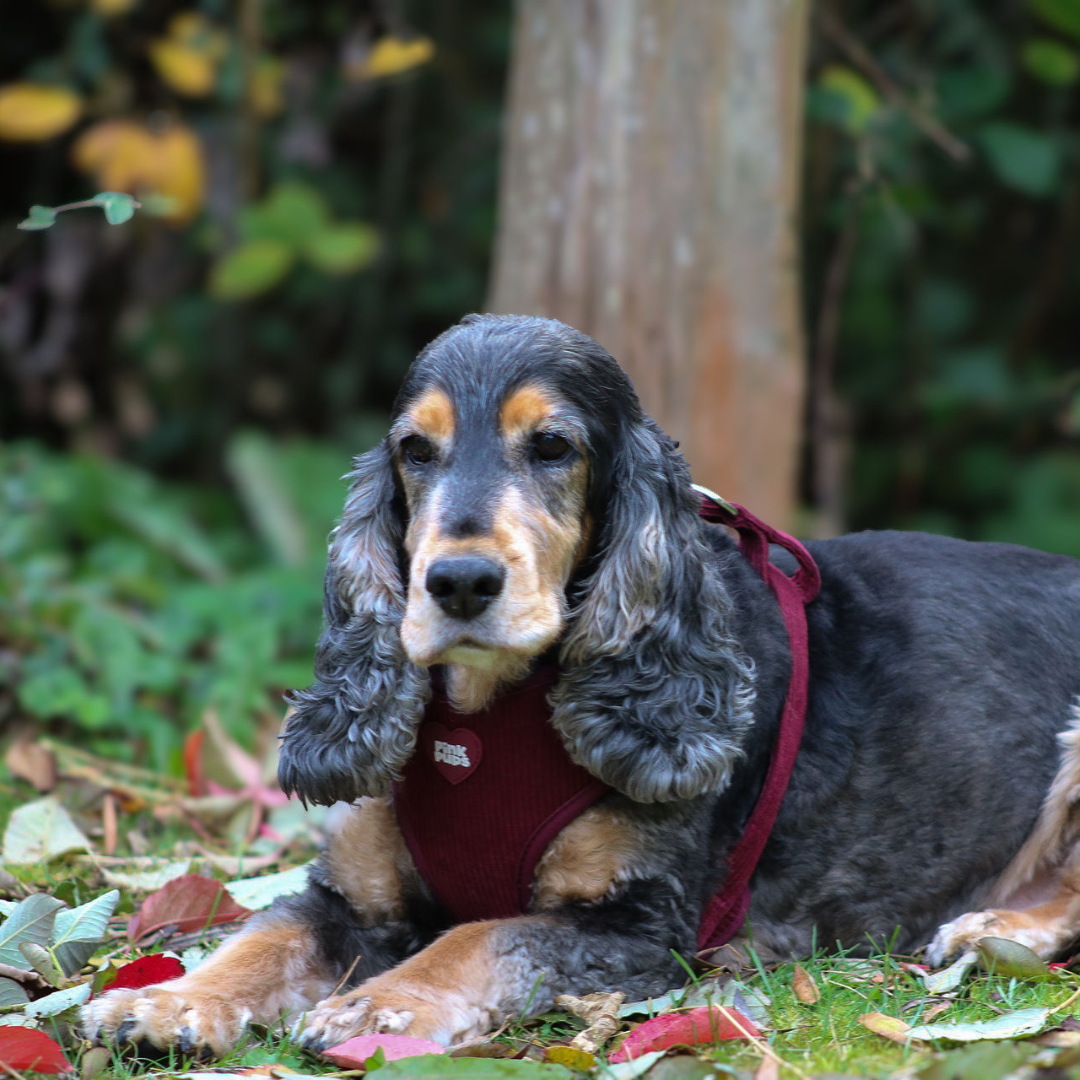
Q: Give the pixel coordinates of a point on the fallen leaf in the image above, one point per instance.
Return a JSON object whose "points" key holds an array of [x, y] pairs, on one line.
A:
{"points": [[144, 874], [353, 1053], [30, 921], [12, 993], [442, 1065], [32, 762], [571, 1057], [77, 932], [599, 1011], [26, 1050], [889, 1027], [190, 902], [952, 977], [260, 892], [704, 1025], [146, 971], [1009, 958], [60, 1001], [31, 112], [804, 986], [41, 831], [635, 1067], [767, 1070], [1010, 1025]]}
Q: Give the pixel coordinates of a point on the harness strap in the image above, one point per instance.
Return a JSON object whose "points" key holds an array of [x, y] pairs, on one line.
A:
{"points": [[725, 912]]}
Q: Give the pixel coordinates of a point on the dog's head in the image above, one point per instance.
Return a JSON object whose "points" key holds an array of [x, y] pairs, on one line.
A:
{"points": [[522, 500]]}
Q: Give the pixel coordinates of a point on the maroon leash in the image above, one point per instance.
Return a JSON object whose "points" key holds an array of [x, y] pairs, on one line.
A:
{"points": [[726, 911]]}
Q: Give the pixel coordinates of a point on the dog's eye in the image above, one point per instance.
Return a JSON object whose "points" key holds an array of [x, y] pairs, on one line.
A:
{"points": [[550, 447], [417, 449]]}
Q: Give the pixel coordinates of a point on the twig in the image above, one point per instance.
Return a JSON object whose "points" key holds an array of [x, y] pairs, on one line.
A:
{"points": [[345, 978], [860, 56], [1067, 1002]]}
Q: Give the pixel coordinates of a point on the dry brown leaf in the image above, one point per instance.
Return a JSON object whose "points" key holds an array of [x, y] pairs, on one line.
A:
{"points": [[804, 986], [767, 1070], [600, 1012], [935, 1010], [31, 761], [1058, 1039], [890, 1027]]}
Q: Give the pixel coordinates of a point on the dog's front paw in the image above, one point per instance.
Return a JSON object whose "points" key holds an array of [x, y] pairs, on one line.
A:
{"points": [[206, 1025], [356, 1013]]}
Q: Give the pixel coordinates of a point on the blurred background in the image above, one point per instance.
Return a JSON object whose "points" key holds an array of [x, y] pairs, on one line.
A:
{"points": [[836, 245]]}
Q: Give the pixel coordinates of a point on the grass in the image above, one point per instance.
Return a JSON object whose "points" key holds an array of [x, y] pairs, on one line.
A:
{"points": [[807, 1038]]}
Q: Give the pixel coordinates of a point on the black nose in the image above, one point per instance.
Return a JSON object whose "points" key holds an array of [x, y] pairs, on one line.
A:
{"points": [[464, 587]]}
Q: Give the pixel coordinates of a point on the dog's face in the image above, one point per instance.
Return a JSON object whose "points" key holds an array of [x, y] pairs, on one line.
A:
{"points": [[495, 489], [493, 456], [523, 500]]}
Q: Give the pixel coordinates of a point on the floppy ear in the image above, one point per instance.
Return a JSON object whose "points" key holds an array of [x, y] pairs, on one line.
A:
{"points": [[350, 733], [655, 694]]}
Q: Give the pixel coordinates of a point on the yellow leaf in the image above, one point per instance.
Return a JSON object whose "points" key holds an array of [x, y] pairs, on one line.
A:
{"points": [[109, 9], [125, 156], [264, 89], [30, 112], [186, 69], [572, 1058], [804, 986], [889, 1027], [391, 56]]}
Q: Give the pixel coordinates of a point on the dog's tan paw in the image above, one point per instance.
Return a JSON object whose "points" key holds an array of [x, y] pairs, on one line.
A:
{"points": [[198, 1023], [339, 1018], [963, 934]]}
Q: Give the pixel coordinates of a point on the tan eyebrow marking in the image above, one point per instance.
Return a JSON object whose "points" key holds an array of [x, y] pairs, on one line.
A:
{"points": [[433, 414], [524, 411]]}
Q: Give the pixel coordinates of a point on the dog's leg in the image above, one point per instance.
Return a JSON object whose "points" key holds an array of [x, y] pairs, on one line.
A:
{"points": [[478, 974], [1046, 928], [270, 968], [352, 918]]}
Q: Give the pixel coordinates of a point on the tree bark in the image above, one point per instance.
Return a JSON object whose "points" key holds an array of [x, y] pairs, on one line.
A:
{"points": [[648, 194]]}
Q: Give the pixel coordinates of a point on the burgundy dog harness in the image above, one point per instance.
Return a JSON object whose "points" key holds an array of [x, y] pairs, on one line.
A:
{"points": [[485, 793]]}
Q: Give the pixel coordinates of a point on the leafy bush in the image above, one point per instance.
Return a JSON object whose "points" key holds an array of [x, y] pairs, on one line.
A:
{"points": [[127, 606]]}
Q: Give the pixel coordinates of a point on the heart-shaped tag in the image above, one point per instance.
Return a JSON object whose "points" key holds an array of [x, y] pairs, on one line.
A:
{"points": [[456, 753]]}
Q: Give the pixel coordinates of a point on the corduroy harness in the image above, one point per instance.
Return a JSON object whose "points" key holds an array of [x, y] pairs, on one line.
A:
{"points": [[485, 793]]}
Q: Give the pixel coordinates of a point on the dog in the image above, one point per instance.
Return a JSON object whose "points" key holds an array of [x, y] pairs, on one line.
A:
{"points": [[524, 516]]}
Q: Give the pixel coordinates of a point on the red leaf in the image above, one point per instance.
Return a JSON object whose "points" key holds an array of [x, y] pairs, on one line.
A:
{"points": [[28, 1050], [352, 1053], [704, 1025], [146, 971], [190, 902]]}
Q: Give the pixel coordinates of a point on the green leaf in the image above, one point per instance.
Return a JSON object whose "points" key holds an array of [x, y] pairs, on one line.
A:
{"points": [[860, 99], [60, 1002], [31, 921], [260, 892], [40, 831], [981, 1061], [42, 961], [1000, 956], [970, 92], [1060, 14], [290, 214], [12, 993], [1050, 61], [950, 978], [439, 1066], [41, 217], [250, 270], [1023, 158], [343, 248], [118, 206], [1010, 1025], [78, 931]]}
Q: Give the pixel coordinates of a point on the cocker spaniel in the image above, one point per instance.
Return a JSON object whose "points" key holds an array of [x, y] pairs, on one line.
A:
{"points": [[547, 695]]}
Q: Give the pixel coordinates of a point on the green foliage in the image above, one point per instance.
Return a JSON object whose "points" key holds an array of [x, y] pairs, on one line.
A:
{"points": [[1050, 61], [118, 208], [128, 607]]}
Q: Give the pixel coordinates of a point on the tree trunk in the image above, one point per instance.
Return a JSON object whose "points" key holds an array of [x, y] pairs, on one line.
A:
{"points": [[649, 182]]}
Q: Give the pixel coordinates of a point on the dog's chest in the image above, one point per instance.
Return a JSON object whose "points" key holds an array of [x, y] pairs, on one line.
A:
{"points": [[483, 796]]}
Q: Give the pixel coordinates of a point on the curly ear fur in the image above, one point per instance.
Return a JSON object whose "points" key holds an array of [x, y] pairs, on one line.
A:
{"points": [[352, 731], [655, 694]]}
